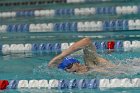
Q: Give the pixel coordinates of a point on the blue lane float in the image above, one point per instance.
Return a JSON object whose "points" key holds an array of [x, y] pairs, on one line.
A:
{"points": [[82, 84], [56, 27], [64, 12], [111, 10], [14, 28], [62, 84], [71, 84], [13, 84], [35, 47], [48, 2], [119, 24], [112, 25], [49, 47], [62, 27], [125, 24], [57, 47], [71, 11], [74, 27], [93, 83], [9, 28], [65, 27], [97, 44], [103, 46], [25, 28], [19, 27], [117, 46], [107, 25], [42, 47]]}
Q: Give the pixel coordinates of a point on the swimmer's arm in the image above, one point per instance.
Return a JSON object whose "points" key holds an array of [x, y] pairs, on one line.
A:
{"points": [[76, 46], [106, 63], [102, 60], [55, 61]]}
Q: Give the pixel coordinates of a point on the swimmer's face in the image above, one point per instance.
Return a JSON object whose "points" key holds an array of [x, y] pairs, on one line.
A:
{"points": [[77, 67]]}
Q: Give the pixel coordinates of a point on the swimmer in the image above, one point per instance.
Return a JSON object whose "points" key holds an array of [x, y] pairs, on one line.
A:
{"points": [[91, 58]]}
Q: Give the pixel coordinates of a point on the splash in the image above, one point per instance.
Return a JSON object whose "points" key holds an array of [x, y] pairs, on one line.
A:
{"points": [[123, 68]]}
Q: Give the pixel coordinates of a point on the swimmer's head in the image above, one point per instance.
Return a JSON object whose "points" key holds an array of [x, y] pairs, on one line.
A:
{"points": [[70, 64]]}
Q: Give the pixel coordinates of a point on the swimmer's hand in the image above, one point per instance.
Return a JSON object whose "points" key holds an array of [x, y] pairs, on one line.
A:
{"points": [[102, 60], [55, 61]]}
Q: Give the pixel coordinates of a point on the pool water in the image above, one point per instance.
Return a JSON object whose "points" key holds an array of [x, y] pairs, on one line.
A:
{"points": [[34, 66]]}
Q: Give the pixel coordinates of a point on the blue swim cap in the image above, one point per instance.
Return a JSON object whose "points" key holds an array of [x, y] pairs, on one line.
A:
{"points": [[66, 62]]}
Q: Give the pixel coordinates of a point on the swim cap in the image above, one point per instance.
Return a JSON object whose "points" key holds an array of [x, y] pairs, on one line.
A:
{"points": [[66, 62]]}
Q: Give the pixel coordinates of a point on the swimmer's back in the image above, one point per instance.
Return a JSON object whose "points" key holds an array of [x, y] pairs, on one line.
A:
{"points": [[91, 58], [90, 55]]}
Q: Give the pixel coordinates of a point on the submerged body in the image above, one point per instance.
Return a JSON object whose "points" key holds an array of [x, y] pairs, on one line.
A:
{"points": [[91, 58]]}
